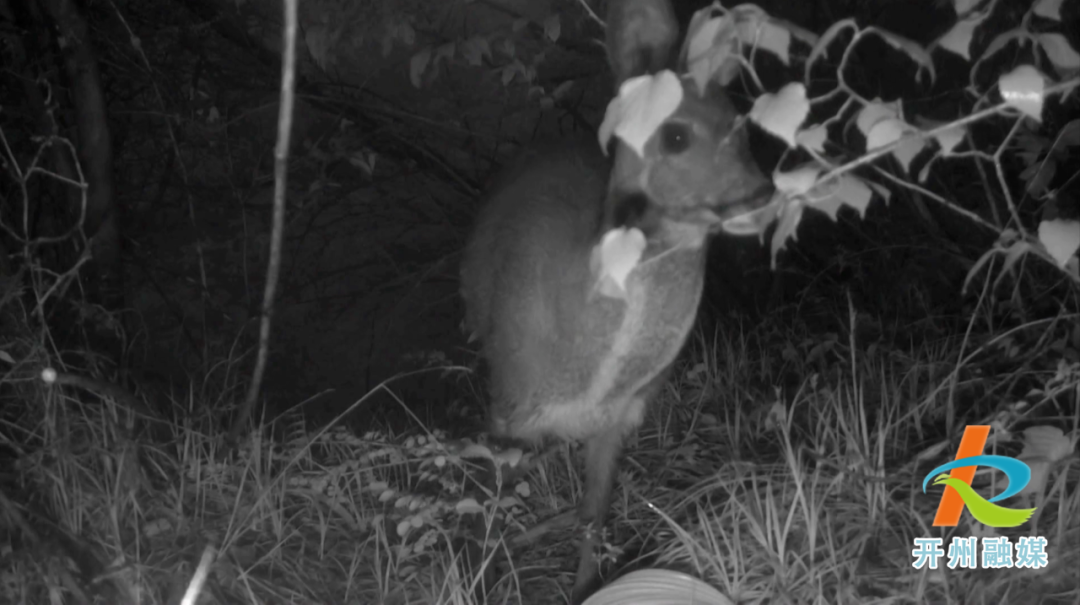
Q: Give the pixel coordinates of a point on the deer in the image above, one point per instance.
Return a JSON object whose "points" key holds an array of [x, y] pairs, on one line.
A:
{"points": [[584, 270]]}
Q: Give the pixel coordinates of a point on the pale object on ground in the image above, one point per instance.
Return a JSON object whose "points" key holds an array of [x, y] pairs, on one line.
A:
{"points": [[658, 587]]}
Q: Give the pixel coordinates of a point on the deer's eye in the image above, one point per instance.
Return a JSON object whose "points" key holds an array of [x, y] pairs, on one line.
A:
{"points": [[674, 138]]}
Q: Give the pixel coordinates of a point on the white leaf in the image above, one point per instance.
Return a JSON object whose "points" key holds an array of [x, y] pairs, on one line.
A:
{"points": [[508, 502], [906, 151], [874, 112], [813, 138], [1022, 88], [1061, 53], [1047, 442], [712, 49], [475, 450], [1061, 239], [643, 104], [468, 506], [884, 132], [782, 113], [767, 35], [1049, 9], [950, 139], [845, 191], [958, 39], [881, 190], [619, 252], [510, 457], [1043, 446], [798, 181], [963, 6]]}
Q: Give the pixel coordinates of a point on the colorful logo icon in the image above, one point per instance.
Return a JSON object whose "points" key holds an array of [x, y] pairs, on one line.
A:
{"points": [[958, 492]]}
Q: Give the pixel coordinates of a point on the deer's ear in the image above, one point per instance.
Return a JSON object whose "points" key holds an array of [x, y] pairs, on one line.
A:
{"points": [[641, 35]]}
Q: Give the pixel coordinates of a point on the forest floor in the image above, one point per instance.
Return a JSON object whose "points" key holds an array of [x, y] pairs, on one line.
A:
{"points": [[776, 469]]}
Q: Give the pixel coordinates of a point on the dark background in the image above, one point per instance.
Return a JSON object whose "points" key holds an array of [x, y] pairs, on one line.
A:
{"points": [[386, 171]]}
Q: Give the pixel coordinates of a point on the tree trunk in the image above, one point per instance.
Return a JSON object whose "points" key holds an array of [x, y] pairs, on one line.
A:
{"points": [[101, 225]]}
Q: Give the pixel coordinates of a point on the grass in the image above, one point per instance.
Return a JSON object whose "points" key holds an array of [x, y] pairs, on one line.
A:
{"points": [[778, 467]]}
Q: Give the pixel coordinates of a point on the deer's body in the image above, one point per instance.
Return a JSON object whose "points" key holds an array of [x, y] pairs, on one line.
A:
{"points": [[572, 352], [571, 361]]}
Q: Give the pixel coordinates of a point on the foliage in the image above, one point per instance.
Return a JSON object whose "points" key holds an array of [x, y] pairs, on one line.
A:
{"points": [[819, 170]]}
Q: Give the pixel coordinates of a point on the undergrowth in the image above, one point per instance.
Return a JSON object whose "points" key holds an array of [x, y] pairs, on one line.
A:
{"points": [[770, 490]]}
